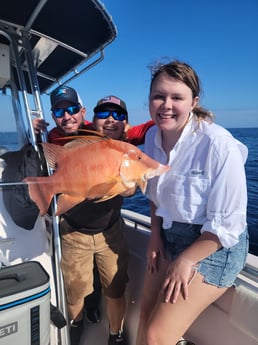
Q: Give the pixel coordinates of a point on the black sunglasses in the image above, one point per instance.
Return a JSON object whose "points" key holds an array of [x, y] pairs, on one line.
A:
{"points": [[105, 114], [71, 110]]}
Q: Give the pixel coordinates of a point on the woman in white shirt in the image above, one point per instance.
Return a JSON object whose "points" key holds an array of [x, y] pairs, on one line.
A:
{"points": [[199, 240]]}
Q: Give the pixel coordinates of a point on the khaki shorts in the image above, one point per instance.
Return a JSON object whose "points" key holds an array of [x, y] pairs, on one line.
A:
{"points": [[111, 255]]}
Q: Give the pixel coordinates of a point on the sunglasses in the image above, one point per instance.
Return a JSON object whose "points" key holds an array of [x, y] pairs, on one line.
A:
{"points": [[105, 114], [72, 110]]}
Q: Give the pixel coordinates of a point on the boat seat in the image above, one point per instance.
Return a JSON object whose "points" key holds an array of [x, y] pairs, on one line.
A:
{"points": [[233, 318], [244, 310]]}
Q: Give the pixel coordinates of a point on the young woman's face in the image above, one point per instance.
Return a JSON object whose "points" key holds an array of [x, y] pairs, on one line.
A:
{"points": [[170, 103]]}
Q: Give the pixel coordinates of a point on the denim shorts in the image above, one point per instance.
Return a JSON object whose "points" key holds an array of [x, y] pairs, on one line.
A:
{"points": [[220, 268]]}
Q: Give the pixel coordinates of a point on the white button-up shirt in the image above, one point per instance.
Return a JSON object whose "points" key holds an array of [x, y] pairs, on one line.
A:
{"points": [[206, 183]]}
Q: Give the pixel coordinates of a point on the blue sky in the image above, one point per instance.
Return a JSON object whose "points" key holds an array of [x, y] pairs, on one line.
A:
{"points": [[218, 38]]}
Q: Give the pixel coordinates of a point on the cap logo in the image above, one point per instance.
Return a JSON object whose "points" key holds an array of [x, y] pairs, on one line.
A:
{"points": [[111, 99], [61, 91]]}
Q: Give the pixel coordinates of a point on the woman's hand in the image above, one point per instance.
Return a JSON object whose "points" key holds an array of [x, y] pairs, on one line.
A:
{"points": [[181, 271], [155, 252], [179, 274]]}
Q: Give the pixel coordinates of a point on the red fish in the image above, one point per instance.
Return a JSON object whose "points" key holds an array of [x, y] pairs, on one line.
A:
{"points": [[91, 167]]}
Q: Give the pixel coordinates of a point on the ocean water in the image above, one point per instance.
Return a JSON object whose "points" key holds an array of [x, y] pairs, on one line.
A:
{"points": [[249, 137], [9, 140]]}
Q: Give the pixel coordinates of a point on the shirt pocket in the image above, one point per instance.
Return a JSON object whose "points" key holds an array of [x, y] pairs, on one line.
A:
{"points": [[194, 188], [189, 196]]}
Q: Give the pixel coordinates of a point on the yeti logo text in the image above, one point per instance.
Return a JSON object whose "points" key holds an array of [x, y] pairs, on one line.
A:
{"points": [[8, 329]]}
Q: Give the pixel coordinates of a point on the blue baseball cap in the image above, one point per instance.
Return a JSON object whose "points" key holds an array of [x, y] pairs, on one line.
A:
{"points": [[64, 93]]}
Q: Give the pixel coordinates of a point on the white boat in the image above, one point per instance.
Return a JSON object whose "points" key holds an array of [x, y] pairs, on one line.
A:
{"points": [[39, 51]]}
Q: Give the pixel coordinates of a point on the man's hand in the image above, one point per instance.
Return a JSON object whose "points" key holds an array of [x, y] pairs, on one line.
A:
{"points": [[39, 125]]}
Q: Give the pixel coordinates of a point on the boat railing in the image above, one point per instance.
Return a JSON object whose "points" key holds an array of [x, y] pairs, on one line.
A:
{"points": [[136, 220], [250, 271]]}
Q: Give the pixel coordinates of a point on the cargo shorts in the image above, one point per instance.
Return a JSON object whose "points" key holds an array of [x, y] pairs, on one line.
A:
{"points": [[78, 251]]}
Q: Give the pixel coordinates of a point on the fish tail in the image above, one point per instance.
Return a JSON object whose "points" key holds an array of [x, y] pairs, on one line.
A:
{"points": [[39, 193]]}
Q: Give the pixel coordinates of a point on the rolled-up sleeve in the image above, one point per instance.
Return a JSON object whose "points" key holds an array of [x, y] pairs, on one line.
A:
{"points": [[227, 202]]}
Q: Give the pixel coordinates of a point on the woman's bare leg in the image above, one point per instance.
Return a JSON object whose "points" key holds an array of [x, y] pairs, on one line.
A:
{"points": [[168, 322], [151, 289]]}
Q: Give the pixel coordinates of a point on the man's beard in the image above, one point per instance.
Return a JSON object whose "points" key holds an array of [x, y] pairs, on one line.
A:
{"points": [[71, 134], [77, 132]]}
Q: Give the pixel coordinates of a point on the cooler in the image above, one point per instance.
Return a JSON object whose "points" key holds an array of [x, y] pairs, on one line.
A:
{"points": [[24, 304]]}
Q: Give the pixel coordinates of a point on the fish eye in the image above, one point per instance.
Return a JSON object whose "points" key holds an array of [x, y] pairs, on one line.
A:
{"points": [[132, 154]]}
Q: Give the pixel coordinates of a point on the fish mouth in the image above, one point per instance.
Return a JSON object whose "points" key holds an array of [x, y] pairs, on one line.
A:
{"points": [[156, 172], [150, 174]]}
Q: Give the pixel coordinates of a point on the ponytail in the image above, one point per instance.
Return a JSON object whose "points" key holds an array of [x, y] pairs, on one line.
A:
{"points": [[203, 114]]}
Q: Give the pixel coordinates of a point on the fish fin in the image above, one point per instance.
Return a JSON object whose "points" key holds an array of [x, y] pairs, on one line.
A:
{"points": [[92, 132], [113, 179], [66, 202], [127, 192], [78, 140], [39, 192], [101, 189], [130, 191], [89, 131], [105, 198], [51, 152]]}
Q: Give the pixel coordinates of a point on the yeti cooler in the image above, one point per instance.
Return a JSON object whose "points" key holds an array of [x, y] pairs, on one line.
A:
{"points": [[24, 305]]}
